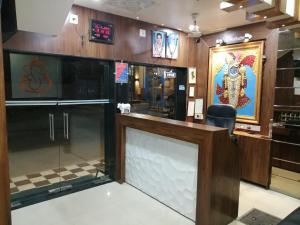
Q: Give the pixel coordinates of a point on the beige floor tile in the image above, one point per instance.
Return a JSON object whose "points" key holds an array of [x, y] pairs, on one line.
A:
{"points": [[82, 174], [37, 179], [26, 187], [17, 179]]}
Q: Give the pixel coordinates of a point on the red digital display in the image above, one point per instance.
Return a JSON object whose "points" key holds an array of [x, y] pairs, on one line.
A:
{"points": [[101, 32]]}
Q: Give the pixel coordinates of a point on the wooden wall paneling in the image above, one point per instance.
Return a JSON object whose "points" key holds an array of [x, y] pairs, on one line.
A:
{"points": [[128, 45], [4, 174], [257, 168], [269, 80], [259, 32]]}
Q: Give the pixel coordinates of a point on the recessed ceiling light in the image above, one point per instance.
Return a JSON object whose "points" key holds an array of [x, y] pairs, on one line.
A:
{"points": [[265, 17], [137, 17], [241, 6], [283, 25], [162, 24]]}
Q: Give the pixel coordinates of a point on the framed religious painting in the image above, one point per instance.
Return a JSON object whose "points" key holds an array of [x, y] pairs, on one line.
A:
{"points": [[158, 44], [235, 76], [172, 45]]}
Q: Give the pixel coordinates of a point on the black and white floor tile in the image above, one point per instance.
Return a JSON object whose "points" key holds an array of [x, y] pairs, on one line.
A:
{"points": [[48, 177]]}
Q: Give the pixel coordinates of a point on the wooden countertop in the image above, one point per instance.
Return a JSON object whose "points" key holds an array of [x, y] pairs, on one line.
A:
{"points": [[218, 163], [181, 130]]}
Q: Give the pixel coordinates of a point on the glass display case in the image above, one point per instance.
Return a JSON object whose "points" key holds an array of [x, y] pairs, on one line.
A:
{"points": [[286, 117]]}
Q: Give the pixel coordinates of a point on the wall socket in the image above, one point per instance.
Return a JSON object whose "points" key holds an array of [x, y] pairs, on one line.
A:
{"points": [[143, 33], [73, 18]]}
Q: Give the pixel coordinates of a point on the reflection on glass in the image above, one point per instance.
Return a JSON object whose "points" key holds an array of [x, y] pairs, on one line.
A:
{"points": [[287, 40], [33, 156], [285, 132], [83, 148], [152, 92]]}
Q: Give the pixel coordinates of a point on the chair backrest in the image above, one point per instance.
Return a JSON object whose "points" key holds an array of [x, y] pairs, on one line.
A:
{"points": [[221, 116]]}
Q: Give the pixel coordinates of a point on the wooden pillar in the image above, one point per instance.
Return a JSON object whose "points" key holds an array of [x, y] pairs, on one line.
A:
{"points": [[4, 176]]}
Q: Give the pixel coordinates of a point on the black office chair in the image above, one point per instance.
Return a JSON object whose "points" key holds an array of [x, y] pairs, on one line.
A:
{"points": [[221, 116]]}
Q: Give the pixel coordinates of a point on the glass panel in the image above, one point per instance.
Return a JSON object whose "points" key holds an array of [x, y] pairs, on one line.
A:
{"points": [[287, 77], [33, 150], [83, 79], [287, 40], [33, 77], [82, 152], [151, 91]]}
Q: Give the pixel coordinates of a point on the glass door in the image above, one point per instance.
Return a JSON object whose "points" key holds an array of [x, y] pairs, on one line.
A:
{"points": [[82, 149], [58, 110], [33, 147]]}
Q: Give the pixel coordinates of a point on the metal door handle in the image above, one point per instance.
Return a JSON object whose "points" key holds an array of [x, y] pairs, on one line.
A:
{"points": [[50, 127], [67, 121], [51, 122], [64, 117]]}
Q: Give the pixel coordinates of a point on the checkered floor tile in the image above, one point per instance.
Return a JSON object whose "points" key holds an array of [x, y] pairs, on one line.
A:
{"points": [[48, 177]]}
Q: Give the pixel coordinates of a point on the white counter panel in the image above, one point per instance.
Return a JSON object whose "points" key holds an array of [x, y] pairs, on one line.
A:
{"points": [[164, 168]]}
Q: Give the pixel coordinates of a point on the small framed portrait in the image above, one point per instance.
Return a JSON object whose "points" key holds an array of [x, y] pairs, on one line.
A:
{"points": [[158, 44], [192, 75], [172, 45]]}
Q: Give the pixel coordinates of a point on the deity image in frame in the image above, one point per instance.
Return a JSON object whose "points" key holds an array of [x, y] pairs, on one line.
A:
{"points": [[172, 45], [235, 76], [159, 44]]}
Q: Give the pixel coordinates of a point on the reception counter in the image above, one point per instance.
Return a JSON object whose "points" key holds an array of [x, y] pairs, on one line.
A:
{"points": [[191, 168]]}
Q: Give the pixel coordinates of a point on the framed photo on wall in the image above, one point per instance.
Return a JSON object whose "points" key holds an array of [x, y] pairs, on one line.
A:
{"points": [[235, 76], [158, 44], [172, 45], [192, 75]]}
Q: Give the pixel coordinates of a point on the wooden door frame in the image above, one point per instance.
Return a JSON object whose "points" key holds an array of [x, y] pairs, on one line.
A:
{"points": [[5, 216]]}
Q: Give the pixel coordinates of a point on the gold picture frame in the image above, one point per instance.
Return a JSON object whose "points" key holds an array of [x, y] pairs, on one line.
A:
{"points": [[235, 78]]}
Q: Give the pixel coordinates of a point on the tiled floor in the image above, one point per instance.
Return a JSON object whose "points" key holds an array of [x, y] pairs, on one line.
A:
{"points": [[286, 182], [268, 201], [114, 204], [48, 177]]}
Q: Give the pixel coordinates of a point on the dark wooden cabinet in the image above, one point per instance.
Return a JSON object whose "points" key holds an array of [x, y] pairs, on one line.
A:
{"points": [[255, 159]]}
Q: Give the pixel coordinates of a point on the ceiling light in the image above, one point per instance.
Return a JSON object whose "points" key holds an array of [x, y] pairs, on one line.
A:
{"points": [[241, 6], [162, 24], [137, 18], [283, 25], [265, 17], [247, 37], [179, 29], [224, 5], [194, 30], [219, 42]]}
